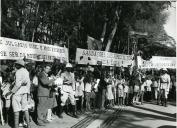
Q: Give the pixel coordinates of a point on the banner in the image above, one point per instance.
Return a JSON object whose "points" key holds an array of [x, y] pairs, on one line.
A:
{"points": [[157, 62], [93, 44], [93, 57], [13, 49]]}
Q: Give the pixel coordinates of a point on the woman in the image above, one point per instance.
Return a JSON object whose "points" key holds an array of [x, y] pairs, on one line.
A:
{"points": [[120, 90], [109, 93], [126, 89]]}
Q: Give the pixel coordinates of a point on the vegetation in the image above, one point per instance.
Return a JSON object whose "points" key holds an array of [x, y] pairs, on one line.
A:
{"points": [[70, 22]]}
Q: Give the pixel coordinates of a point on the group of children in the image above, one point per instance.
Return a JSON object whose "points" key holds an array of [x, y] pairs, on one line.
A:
{"points": [[113, 89]]}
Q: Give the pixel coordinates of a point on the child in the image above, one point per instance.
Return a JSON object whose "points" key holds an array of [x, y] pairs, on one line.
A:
{"points": [[120, 91], [142, 89], [126, 89], [136, 91], [80, 92], [88, 87], [155, 87], [148, 85], [6, 87], [109, 93], [93, 94]]}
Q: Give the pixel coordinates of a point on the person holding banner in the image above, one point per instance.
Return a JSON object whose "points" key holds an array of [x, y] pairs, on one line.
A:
{"points": [[20, 93], [44, 95], [164, 86]]}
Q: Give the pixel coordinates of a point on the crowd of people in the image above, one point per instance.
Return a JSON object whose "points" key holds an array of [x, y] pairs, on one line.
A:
{"points": [[40, 91]]}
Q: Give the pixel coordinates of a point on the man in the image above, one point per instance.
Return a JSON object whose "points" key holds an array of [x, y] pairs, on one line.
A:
{"points": [[67, 89], [164, 83], [20, 92], [43, 95]]}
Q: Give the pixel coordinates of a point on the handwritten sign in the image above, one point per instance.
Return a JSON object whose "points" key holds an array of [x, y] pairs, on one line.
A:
{"points": [[13, 49], [157, 62], [93, 57]]}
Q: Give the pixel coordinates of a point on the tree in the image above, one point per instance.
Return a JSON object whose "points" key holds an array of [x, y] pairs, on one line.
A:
{"points": [[70, 22]]}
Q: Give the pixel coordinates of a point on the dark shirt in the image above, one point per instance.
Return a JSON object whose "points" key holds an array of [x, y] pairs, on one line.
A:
{"points": [[44, 85]]}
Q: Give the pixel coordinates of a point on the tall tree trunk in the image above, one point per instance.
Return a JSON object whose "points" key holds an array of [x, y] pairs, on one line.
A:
{"points": [[104, 31], [111, 36]]}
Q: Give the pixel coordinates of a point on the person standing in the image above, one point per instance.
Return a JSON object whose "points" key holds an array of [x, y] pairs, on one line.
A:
{"points": [[120, 90], [43, 95], [80, 92], [67, 90], [142, 89], [109, 93], [148, 88], [20, 93], [164, 86], [126, 89], [155, 87]]}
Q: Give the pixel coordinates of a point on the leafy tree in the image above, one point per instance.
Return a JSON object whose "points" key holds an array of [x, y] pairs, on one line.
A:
{"points": [[69, 22]]}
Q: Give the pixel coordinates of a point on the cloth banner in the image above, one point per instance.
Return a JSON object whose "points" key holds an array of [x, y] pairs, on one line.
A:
{"points": [[93, 44], [13, 49], [157, 62], [93, 57]]}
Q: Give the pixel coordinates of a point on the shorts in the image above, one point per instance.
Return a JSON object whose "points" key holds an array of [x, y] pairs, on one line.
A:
{"points": [[20, 102], [65, 96]]}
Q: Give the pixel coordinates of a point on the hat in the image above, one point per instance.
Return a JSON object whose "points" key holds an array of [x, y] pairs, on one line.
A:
{"points": [[164, 69], [68, 65], [20, 62]]}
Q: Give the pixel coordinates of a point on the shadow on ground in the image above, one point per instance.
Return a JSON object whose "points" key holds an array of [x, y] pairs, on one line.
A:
{"points": [[167, 126], [134, 119], [158, 112]]}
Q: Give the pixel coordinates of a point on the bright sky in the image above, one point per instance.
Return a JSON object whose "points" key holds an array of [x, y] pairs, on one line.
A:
{"points": [[170, 26]]}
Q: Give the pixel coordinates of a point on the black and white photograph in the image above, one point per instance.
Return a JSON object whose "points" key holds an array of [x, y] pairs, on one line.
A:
{"points": [[88, 64]]}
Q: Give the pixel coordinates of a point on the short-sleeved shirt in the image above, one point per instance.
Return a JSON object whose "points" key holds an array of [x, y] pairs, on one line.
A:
{"points": [[22, 82], [165, 81], [88, 87], [148, 84], [67, 77]]}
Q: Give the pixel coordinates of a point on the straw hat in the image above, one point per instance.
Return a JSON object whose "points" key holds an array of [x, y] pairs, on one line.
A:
{"points": [[20, 62]]}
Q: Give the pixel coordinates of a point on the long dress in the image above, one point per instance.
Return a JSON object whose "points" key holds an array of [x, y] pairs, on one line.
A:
{"points": [[120, 89], [109, 93]]}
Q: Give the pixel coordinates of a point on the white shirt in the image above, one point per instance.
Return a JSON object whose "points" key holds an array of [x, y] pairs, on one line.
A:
{"points": [[22, 82], [79, 88], [142, 86], [148, 84], [69, 77], [88, 87], [165, 81], [126, 88]]}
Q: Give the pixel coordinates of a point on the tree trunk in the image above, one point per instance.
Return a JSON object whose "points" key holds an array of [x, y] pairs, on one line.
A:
{"points": [[104, 32], [111, 38]]}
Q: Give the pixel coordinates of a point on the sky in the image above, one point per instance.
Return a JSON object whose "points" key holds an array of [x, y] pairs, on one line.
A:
{"points": [[170, 25]]}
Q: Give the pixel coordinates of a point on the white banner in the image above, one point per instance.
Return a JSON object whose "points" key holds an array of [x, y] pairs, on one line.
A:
{"points": [[93, 57], [13, 49], [157, 62]]}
